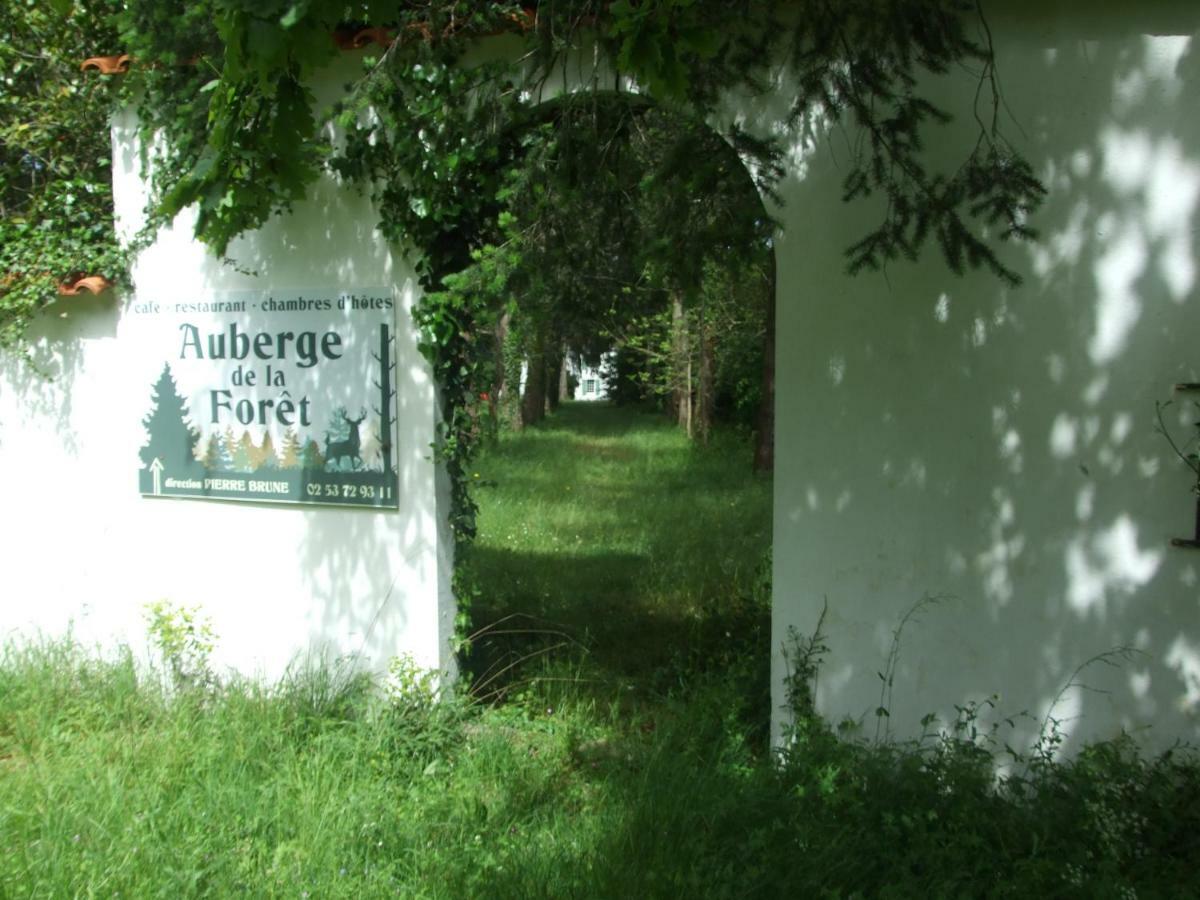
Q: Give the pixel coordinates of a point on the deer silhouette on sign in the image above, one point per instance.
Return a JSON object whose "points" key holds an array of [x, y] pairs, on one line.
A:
{"points": [[350, 447]]}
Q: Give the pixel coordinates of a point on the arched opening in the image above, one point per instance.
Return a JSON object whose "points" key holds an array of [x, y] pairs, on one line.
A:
{"points": [[625, 542]]}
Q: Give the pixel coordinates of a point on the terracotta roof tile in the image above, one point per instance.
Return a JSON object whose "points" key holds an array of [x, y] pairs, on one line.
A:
{"points": [[92, 284], [347, 38], [106, 65]]}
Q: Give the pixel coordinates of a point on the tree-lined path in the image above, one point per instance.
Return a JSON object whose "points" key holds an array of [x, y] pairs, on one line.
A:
{"points": [[606, 524]]}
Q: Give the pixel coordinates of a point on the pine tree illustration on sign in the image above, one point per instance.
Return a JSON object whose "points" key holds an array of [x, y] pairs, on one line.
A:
{"points": [[244, 455], [265, 456], [289, 453], [172, 439], [313, 459], [216, 457]]}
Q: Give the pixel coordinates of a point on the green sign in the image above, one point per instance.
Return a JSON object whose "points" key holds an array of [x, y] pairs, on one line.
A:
{"points": [[284, 398]]}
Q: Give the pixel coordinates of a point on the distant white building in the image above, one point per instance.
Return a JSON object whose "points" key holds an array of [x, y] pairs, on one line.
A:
{"points": [[589, 383]]}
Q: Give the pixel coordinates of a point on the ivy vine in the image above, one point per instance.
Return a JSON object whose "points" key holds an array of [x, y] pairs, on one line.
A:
{"points": [[56, 212], [434, 132]]}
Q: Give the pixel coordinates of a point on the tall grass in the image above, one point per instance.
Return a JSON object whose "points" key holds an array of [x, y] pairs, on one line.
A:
{"points": [[108, 787], [119, 781], [639, 557]]}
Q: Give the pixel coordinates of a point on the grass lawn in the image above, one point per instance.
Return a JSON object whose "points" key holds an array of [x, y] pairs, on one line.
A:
{"points": [[611, 743], [638, 553]]}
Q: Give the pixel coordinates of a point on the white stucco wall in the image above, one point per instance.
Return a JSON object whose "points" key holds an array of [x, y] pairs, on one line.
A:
{"points": [[82, 550], [936, 436], [996, 447]]}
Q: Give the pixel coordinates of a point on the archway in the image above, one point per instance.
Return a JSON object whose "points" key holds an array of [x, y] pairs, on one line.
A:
{"points": [[613, 239], [867, 449]]}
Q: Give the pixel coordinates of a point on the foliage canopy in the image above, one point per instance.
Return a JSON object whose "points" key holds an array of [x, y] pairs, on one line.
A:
{"points": [[56, 216], [433, 127]]}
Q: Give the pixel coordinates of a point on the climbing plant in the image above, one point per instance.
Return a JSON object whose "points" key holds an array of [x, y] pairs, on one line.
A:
{"points": [[434, 131], [56, 213], [603, 233]]}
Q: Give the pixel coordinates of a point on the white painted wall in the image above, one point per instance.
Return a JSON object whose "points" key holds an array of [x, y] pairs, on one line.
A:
{"points": [[82, 550], [935, 436], [950, 437]]}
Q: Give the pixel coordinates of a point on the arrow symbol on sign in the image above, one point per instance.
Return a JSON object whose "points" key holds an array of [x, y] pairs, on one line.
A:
{"points": [[156, 468]]}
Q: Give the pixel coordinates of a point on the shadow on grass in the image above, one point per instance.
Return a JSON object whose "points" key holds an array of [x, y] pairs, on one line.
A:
{"points": [[580, 622], [576, 612], [617, 561], [600, 419]]}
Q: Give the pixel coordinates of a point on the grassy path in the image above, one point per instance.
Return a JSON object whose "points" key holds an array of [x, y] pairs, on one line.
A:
{"points": [[605, 524], [637, 714], [626, 760]]}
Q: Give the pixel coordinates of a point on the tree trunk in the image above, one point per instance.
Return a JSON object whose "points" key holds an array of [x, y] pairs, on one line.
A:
{"points": [[681, 366], [764, 442], [686, 408], [564, 380], [509, 375], [533, 403], [555, 375], [704, 385], [498, 380]]}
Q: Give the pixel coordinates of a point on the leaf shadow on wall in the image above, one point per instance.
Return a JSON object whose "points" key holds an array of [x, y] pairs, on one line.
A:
{"points": [[373, 575], [957, 438], [44, 386]]}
